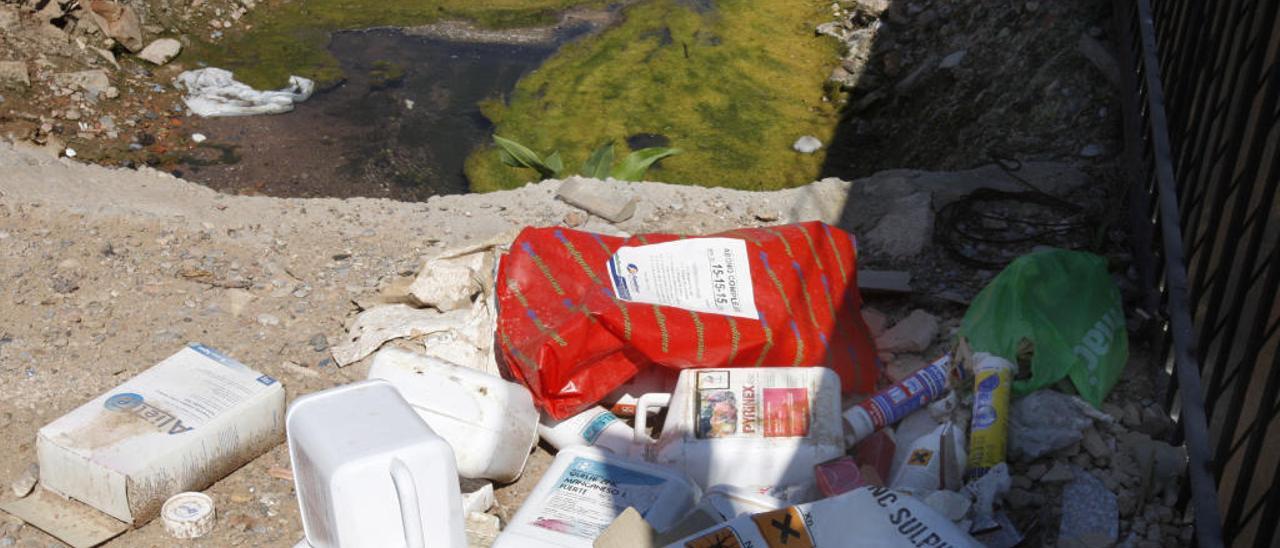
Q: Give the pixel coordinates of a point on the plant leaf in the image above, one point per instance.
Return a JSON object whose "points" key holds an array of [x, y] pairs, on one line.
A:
{"points": [[635, 165], [555, 163], [520, 156], [598, 164]]}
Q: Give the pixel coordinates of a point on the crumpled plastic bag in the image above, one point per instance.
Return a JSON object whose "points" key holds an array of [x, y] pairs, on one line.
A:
{"points": [[1066, 306], [1047, 420], [213, 92], [571, 329]]}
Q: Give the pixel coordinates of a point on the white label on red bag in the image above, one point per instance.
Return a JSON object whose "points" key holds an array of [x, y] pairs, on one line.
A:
{"points": [[710, 275]]}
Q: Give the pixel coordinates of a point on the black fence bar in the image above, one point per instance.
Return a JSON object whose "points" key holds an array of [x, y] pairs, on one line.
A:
{"points": [[1201, 96]]}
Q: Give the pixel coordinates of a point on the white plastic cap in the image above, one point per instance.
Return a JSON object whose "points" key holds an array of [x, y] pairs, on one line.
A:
{"points": [[188, 515]]}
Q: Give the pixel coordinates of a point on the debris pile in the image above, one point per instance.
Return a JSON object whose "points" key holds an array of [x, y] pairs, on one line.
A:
{"points": [[695, 390]]}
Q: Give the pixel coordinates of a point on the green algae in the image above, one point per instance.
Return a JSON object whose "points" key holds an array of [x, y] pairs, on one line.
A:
{"points": [[733, 86], [291, 36]]}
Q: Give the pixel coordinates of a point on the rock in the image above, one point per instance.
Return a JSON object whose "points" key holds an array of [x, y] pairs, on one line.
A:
{"points": [[1090, 516], [574, 219], [1021, 498], [1091, 151], [482, 529], [106, 55], [904, 365], [874, 8], [916, 77], [1036, 471], [1060, 473], [117, 21], [318, 342], [953, 60], [237, 299], [1101, 57], [13, 74], [268, 320], [450, 283], [907, 227], [832, 29], [161, 51], [198, 138], [598, 198], [1132, 416], [26, 481], [1094, 444], [912, 334], [807, 144], [92, 81], [876, 320], [764, 214]]}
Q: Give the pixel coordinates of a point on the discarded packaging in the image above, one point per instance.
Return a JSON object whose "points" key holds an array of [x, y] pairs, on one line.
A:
{"points": [[215, 92], [188, 515], [371, 472], [876, 451], [491, 424], [1066, 305], [584, 490], [989, 431], [760, 428], [719, 504], [581, 313], [595, 427], [984, 491], [179, 426], [869, 516], [933, 461], [892, 404], [838, 476]]}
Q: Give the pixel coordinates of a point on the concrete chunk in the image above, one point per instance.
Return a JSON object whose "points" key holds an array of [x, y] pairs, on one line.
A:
{"points": [[913, 334], [598, 198]]}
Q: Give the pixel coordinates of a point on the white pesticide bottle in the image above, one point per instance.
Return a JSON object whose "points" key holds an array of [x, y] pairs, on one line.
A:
{"points": [[762, 429], [596, 427]]}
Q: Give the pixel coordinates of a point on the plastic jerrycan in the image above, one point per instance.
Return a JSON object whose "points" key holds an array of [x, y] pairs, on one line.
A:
{"points": [[758, 428], [370, 473], [492, 424]]}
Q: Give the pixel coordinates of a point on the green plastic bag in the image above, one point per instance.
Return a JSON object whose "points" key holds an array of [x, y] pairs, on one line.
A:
{"points": [[1065, 305]]}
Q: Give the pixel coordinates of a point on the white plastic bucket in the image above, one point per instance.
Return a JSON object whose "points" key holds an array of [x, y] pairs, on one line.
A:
{"points": [[370, 473], [492, 424], [762, 429], [585, 489]]}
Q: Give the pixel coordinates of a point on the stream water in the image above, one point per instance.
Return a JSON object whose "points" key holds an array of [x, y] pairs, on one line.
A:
{"points": [[400, 126]]}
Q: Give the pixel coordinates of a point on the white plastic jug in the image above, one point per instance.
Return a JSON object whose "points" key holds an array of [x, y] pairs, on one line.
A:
{"points": [[757, 428], [585, 489], [492, 424], [370, 473]]}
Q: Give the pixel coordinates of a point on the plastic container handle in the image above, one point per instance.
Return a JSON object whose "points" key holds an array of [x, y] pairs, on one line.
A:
{"points": [[410, 514], [643, 403]]}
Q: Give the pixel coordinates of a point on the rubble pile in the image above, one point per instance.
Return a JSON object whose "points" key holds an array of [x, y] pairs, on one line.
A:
{"points": [[465, 363]]}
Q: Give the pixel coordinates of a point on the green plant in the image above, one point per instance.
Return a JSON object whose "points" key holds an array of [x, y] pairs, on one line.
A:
{"points": [[598, 165]]}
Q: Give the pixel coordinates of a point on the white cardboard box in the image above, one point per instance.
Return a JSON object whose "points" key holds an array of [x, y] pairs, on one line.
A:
{"points": [[179, 426]]}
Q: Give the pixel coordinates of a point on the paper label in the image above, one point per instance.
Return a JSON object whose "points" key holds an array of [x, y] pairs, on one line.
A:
{"points": [[590, 494], [784, 528], [752, 403], [711, 275]]}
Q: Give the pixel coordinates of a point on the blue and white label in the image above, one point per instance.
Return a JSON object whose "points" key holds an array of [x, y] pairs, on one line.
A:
{"points": [[590, 494], [591, 432], [711, 275]]}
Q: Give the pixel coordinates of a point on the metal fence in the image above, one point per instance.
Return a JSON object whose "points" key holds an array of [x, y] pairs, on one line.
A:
{"points": [[1201, 130]]}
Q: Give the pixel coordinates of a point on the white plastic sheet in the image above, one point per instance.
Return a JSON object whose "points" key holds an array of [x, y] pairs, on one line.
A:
{"points": [[214, 92]]}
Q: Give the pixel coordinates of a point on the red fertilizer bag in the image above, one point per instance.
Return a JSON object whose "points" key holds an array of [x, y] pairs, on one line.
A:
{"points": [[579, 313]]}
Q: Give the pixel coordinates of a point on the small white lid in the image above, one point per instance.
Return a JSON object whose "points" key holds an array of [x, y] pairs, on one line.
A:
{"points": [[188, 515]]}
